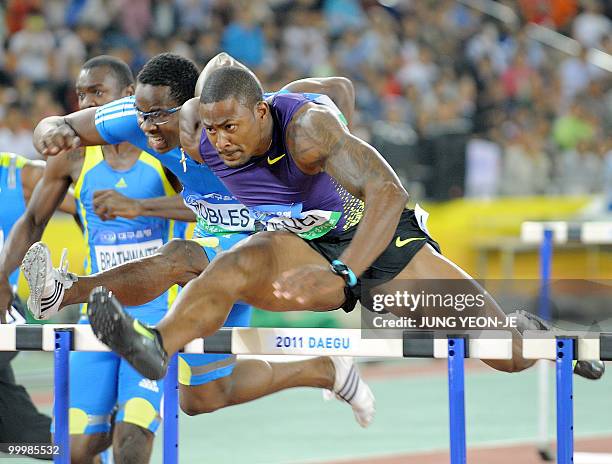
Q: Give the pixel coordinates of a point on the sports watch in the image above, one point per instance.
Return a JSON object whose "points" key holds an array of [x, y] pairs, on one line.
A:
{"points": [[341, 269]]}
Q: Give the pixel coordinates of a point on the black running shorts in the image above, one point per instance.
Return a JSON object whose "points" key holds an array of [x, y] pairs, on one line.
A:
{"points": [[408, 239]]}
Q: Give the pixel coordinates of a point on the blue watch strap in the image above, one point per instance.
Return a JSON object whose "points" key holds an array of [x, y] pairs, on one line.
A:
{"points": [[341, 269]]}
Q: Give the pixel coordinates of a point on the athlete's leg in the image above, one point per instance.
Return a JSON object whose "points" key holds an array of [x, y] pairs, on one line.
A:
{"points": [[90, 414], [252, 379], [430, 265], [244, 273], [138, 416], [176, 262], [210, 382], [85, 448], [132, 444], [139, 404], [213, 381]]}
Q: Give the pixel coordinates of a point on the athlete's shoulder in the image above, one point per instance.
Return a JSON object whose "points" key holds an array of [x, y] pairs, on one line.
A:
{"points": [[124, 107], [117, 122], [284, 96]]}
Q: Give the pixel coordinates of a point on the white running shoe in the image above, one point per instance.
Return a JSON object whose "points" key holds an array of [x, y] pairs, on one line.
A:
{"points": [[350, 387], [47, 285]]}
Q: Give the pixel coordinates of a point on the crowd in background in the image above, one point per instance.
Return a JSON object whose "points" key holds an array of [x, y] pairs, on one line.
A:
{"points": [[430, 76]]}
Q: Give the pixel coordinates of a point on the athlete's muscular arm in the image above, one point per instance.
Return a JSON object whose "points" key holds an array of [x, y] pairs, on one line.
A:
{"points": [[59, 134], [319, 142], [109, 204], [339, 89], [46, 197]]}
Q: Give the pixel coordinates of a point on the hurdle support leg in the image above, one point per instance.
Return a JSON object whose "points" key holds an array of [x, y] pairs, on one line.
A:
{"points": [[171, 400], [565, 400], [456, 399], [546, 253], [63, 342]]}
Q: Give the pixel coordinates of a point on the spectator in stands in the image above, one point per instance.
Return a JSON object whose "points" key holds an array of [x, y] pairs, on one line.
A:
{"points": [[575, 73], [591, 25], [581, 170], [453, 70], [305, 42], [31, 50], [574, 127], [526, 167], [15, 135], [243, 38]]}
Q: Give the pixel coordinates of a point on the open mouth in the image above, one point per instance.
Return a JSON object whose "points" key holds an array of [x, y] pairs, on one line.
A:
{"points": [[157, 142]]}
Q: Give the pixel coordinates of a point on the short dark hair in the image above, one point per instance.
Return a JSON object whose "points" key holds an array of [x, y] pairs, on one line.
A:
{"points": [[117, 67], [232, 82], [171, 70]]}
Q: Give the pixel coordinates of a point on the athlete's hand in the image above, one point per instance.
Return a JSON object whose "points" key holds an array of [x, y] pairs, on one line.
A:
{"points": [[109, 204], [308, 285], [58, 140], [6, 298]]}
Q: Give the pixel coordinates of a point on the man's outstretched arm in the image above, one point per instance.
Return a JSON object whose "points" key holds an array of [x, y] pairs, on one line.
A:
{"points": [[60, 134], [318, 141]]}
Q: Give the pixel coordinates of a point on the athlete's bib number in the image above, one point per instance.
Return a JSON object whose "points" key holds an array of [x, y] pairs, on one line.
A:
{"points": [[312, 224], [109, 256], [220, 217]]}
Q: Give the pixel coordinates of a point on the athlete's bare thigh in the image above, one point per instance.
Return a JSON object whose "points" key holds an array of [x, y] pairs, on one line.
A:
{"points": [[432, 273], [262, 259]]}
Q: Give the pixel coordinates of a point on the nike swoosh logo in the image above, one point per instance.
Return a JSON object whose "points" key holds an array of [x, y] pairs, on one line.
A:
{"points": [[142, 331], [272, 161], [400, 243]]}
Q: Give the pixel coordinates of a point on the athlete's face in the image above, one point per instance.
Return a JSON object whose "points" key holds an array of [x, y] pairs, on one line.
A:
{"points": [[237, 132], [158, 116], [98, 86]]}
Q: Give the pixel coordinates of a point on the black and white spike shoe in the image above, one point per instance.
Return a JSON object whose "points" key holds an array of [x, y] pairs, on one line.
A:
{"points": [[47, 285]]}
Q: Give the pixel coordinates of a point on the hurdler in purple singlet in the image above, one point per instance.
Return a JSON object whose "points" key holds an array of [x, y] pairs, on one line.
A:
{"points": [[276, 192]]}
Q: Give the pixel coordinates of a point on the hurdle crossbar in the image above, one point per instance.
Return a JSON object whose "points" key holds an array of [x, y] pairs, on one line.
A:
{"points": [[277, 341], [588, 233], [539, 344]]}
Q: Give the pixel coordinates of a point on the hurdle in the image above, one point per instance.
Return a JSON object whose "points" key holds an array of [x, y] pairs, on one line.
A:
{"points": [[63, 338], [564, 348], [546, 234]]}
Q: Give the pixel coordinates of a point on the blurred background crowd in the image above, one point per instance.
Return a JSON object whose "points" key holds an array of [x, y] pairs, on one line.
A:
{"points": [[516, 100]]}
